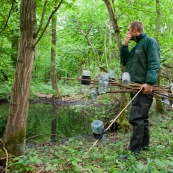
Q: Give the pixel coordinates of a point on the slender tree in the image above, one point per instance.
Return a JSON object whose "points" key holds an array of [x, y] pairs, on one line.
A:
{"points": [[123, 121], [54, 78], [53, 56], [159, 107], [114, 21]]}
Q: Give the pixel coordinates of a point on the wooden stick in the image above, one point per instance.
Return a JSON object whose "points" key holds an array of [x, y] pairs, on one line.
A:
{"points": [[122, 91], [124, 109], [113, 121]]}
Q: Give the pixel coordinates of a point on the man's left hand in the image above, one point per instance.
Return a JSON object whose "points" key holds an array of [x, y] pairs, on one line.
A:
{"points": [[147, 89]]}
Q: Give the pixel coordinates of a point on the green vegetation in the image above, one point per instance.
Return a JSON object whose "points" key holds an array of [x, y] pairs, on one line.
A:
{"points": [[69, 155], [85, 41]]}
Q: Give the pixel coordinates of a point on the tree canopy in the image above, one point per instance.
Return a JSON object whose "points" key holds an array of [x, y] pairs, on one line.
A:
{"points": [[85, 38]]}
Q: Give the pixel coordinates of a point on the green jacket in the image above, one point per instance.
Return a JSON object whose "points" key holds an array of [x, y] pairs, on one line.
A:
{"points": [[143, 61]]}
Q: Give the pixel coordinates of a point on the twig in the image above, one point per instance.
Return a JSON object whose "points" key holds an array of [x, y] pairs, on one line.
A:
{"points": [[42, 18], [50, 17], [122, 91], [8, 16], [32, 141], [42, 135], [86, 112], [2, 158], [40, 170], [6, 154], [164, 96]]}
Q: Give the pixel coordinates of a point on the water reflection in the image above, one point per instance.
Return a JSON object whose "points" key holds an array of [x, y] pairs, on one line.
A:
{"points": [[65, 120]]}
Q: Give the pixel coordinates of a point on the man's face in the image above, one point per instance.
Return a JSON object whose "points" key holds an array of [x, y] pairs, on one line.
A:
{"points": [[132, 33]]}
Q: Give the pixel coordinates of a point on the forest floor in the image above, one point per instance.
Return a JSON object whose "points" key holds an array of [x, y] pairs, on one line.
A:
{"points": [[82, 154]]}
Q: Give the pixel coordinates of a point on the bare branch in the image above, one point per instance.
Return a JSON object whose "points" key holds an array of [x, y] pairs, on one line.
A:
{"points": [[42, 18], [88, 40], [50, 17], [6, 23], [43, 135]]}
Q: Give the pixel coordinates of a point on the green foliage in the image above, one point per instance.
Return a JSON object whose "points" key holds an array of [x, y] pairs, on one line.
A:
{"points": [[5, 89], [3, 118], [8, 31], [42, 88], [79, 35], [25, 163], [74, 155], [85, 39]]}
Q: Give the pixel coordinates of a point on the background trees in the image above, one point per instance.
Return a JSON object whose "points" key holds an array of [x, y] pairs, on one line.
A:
{"points": [[85, 37]]}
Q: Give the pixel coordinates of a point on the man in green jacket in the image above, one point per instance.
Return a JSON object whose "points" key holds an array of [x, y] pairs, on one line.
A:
{"points": [[142, 63]]}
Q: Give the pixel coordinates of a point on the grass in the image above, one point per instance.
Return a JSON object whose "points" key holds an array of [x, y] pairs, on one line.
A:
{"points": [[46, 88], [69, 156]]}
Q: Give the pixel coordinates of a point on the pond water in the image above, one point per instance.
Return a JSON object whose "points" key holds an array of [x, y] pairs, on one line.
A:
{"points": [[66, 120]]}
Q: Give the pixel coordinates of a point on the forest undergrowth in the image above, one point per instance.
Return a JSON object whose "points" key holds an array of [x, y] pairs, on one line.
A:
{"points": [[78, 154]]}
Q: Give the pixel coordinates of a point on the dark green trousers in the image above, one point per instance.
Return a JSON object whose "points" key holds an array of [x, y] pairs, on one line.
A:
{"points": [[140, 121]]}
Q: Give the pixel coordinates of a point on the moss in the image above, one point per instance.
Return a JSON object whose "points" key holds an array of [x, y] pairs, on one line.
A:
{"points": [[2, 153], [15, 143], [123, 121], [124, 125]]}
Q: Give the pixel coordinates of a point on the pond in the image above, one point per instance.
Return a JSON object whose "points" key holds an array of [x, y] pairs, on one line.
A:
{"points": [[62, 119]]}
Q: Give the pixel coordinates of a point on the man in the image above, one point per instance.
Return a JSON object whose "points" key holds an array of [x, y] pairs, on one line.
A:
{"points": [[142, 63]]}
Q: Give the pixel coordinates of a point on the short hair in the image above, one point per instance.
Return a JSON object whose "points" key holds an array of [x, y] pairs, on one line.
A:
{"points": [[137, 24]]}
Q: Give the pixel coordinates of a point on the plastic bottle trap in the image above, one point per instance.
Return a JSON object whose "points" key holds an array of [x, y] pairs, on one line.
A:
{"points": [[98, 129]]}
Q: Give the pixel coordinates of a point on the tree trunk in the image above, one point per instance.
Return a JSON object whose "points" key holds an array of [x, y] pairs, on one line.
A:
{"points": [[53, 56], [114, 23], [18, 113], [159, 106], [123, 120]]}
